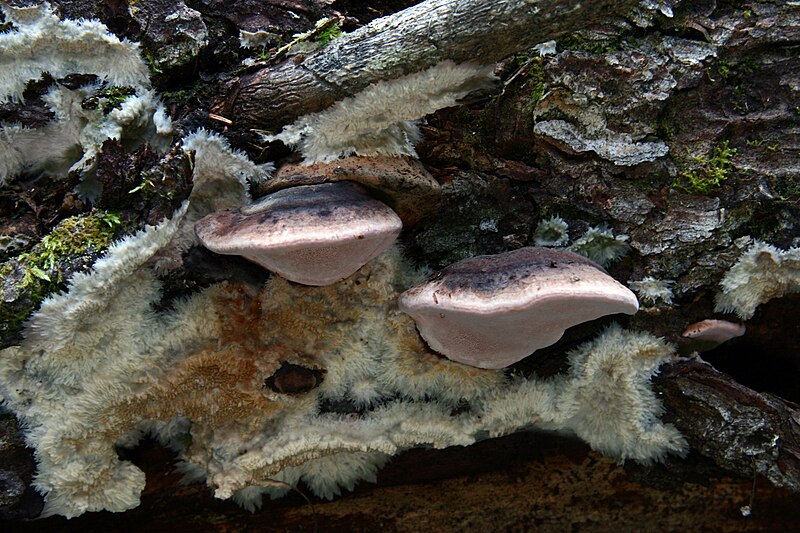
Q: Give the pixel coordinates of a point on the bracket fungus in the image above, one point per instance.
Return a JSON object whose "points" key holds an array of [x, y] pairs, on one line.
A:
{"points": [[400, 181], [491, 311], [310, 234], [710, 333]]}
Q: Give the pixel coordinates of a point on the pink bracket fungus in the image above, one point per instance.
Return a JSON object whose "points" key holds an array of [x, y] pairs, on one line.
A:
{"points": [[710, 333], [494, 310], [310, 234]]}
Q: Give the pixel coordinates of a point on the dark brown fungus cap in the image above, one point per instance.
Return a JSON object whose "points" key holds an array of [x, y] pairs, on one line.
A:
{"points": [[312, 234], [494, 310], [402, 182], [294, 379]]}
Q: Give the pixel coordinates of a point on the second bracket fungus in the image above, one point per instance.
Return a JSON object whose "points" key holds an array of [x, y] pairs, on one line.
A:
{"points": [[494, 310], [311, 234]]}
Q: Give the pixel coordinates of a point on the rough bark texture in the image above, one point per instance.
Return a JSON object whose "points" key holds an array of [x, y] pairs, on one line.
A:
{"points": [[409, 41], [626, 126], [740, 429]]}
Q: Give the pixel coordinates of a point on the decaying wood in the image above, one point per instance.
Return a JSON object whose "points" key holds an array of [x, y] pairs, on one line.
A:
{"points": [[740, 429], [527, 481], [409, 41]]}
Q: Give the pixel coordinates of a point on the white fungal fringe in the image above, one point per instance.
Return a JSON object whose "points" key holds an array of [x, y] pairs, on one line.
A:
{"points": [[380, 120], [762, 273]]}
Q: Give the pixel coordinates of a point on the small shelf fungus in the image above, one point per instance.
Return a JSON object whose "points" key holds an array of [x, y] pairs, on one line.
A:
{"points": [[311, 234], [492, 311], [708, 334]]}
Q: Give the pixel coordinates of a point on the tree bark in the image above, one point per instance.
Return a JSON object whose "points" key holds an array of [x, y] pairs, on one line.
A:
{"points": [[740, 429], [409, 41]]}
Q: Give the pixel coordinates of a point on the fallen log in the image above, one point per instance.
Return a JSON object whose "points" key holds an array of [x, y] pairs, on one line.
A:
{"points": [[740, 429], [408, 41]]}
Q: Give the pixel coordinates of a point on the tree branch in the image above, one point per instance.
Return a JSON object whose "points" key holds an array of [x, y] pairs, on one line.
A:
{"points": [[408, 41]]}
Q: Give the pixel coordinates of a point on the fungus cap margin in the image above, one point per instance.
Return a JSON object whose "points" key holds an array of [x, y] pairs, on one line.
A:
{"points": [[492, 311], [310, 234]]}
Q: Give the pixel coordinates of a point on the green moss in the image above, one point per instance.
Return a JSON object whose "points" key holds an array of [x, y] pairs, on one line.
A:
{"points": [[665, 129], [764, 144], [328, 34], [74, 236], [738, 76], [733, 72], [31, 276], [152, 62], [789, 188], [108, 99], [536, 82], [719, 71], [578, 42], [530, 67], [179, 97], [709, 171]]}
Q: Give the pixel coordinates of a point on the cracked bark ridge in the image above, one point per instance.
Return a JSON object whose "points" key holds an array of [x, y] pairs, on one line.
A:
{"points": [[18, 499], [408, 41], [740, 429]]}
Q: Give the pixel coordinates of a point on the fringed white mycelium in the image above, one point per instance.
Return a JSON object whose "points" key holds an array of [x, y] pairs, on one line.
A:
{"points": [[42, 43], [194, 376], [74, 139], [651, 290], [381, 119], [762, 273], [601, 246], [551, 232], [220, 179], [604, 398]]}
